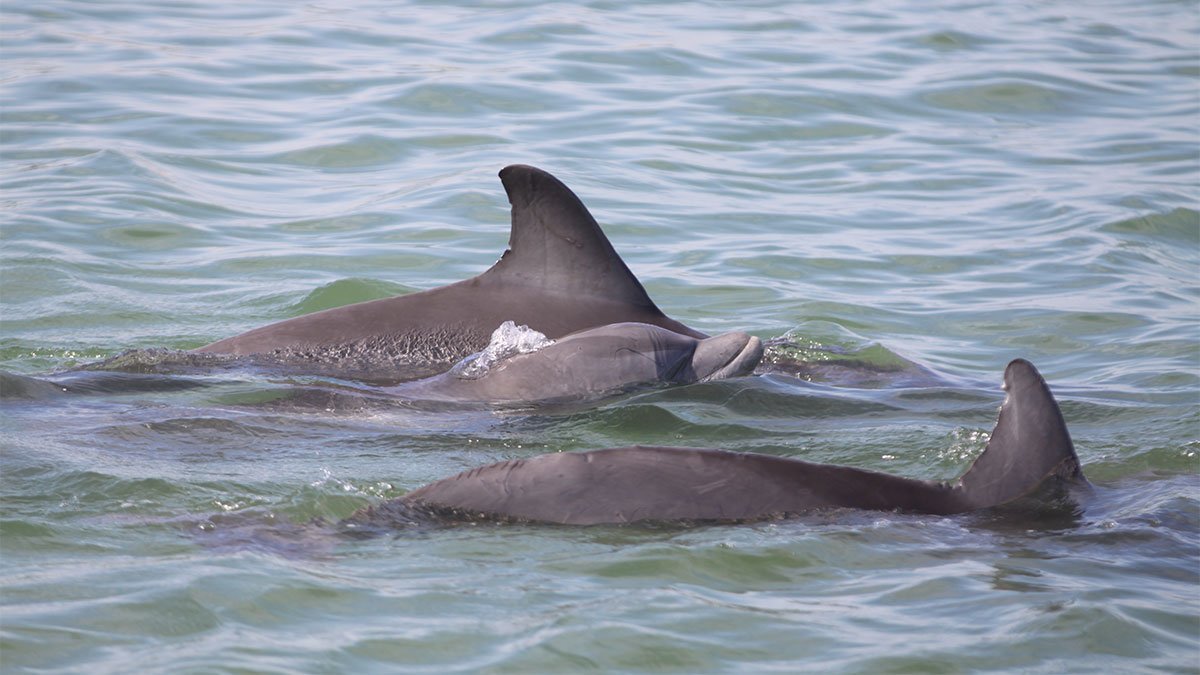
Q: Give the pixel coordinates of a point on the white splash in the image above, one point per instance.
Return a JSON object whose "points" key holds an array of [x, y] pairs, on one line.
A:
{"points": [[507, 341]]}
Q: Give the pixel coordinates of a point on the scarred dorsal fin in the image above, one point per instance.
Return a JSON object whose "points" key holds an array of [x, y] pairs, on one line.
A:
{"points": [[1029, 444], [556, 244]]}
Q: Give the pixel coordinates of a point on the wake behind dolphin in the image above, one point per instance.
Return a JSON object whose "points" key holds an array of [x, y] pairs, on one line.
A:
{"points": [[559, 275], [1029, 446]]}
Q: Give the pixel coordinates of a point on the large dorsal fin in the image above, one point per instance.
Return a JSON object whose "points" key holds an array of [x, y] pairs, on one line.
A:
{"points": [[1029, 444], [556, 244]]}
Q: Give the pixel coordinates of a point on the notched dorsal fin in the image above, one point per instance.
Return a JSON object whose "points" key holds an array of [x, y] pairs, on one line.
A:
{"points": [[557, 245], [1029, 444]]}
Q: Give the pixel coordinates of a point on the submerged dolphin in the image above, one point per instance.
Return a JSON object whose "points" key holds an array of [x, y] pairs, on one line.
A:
{"points": [[594, 363], [559, 275], [1029, 446]]}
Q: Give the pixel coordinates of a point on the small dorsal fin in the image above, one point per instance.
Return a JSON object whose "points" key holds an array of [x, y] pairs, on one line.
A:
{"points": [[1029, 444], [556, 244]]}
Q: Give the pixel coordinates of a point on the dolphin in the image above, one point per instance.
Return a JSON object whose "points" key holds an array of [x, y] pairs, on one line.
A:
{"points": [[593, 363], [559, 275], [14, 387], [585, 365], [1029, 446]]}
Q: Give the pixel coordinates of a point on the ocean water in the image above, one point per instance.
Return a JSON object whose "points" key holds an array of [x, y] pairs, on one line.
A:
{"points": [[953, 184]]}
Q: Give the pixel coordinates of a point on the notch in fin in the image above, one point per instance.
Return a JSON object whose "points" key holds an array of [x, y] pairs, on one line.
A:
{"points": [[1029, 444]]}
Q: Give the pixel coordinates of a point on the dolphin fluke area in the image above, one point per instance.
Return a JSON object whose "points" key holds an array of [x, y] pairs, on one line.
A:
{"points": [[1029, 446], [559, 275]]}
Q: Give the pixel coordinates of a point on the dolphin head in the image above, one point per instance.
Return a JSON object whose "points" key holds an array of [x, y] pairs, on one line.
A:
{"points": [[726, 355], [629, 350]]}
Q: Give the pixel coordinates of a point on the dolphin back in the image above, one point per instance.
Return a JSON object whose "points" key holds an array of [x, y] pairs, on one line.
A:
{"points": [[559, 275], [649, 483], [1029, 445]]}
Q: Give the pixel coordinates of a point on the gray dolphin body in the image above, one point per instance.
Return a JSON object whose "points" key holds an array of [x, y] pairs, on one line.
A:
{"points": [[1029, 446], [594, 363], [559, 275]]}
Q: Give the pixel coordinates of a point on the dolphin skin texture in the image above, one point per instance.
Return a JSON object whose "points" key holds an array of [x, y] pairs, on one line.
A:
{"points": [[595, 363], [1029, 446], [559, 275]]}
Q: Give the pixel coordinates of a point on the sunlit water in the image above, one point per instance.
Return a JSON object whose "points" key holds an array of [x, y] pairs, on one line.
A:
{"points": [[956, 185]]}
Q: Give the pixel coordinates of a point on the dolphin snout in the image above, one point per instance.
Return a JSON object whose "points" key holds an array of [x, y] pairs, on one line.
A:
{"points": [[727, 355]]}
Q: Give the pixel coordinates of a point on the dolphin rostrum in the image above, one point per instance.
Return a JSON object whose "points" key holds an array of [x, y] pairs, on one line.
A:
{"points": [[1029, 446], [593, 363], [559, 275]]}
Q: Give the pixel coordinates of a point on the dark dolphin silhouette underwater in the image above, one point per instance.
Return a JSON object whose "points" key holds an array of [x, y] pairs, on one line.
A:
{"points": [[559, 275], [1029, 447]]}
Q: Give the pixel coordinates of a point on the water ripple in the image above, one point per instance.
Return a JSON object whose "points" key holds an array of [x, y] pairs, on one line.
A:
{"points": [[951, 185]]}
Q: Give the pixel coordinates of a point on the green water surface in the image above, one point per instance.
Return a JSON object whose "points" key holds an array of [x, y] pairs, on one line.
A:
{"points": [[951, 185]]}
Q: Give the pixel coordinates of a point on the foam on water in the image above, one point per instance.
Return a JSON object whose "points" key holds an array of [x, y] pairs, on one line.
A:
{"points": [[508, 340]]}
